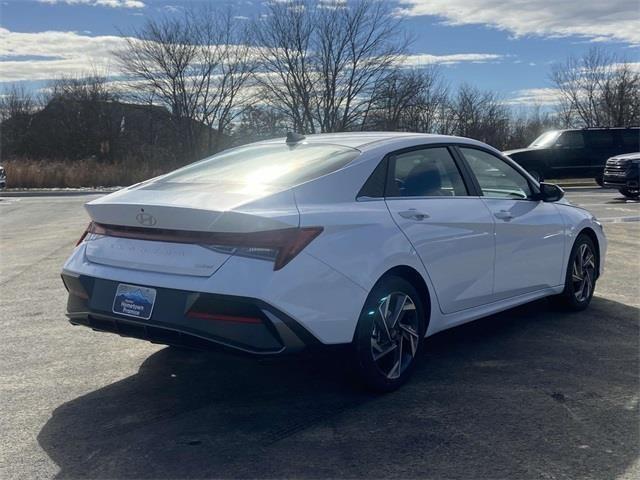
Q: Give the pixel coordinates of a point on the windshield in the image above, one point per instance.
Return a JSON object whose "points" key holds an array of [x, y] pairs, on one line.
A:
{"points": [[265, 165], [545, 140]]}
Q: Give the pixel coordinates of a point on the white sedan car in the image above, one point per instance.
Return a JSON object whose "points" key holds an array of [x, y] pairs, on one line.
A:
{"points": [[373, 240]]}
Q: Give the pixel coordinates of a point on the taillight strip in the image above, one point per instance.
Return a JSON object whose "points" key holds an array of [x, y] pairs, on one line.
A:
{"points": [[267, 238], [288, 241]]}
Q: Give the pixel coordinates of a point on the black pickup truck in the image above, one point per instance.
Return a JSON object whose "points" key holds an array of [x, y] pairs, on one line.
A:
{"points": [[577, 153], [623, 172]]}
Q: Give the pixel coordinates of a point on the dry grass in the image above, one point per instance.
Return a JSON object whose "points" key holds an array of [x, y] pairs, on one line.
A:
{"points": [[28, 173]]}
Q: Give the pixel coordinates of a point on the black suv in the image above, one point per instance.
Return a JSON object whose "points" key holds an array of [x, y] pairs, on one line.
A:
{"points": [[575, 153]]}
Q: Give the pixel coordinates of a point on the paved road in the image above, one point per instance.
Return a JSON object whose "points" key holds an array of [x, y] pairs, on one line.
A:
{"points": [[529, 393]]}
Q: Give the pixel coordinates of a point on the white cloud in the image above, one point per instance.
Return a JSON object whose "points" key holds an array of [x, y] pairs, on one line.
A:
{"points": [[535, 96], [428, 59], [632, 66], [171, 9], [596, 20], [100, 3], [58, 53], [52, 54]]}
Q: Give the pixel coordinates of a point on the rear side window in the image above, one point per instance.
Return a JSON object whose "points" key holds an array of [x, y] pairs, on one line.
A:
{"points": [[496, 178], [571, 139], [375, 184], [428, 172], [631, 139], [271, 164], [600, 139]]}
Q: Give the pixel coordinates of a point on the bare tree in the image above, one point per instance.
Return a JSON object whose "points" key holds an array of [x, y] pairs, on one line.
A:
{"points": [[16, 106], [526, 125], [284, 38], [16, 101], [599, 89], [481, 115], [195, 65], [91, 87], [259, 123], [408, 100], [231, 60], [322, 61]]}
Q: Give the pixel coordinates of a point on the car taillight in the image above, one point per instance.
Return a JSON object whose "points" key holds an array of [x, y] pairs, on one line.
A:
{"points": [[280, 246], [84, 234]]}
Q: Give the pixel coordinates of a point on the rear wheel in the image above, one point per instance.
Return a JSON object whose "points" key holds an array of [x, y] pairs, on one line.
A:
{"points": [[582, 270], [389, 335]]}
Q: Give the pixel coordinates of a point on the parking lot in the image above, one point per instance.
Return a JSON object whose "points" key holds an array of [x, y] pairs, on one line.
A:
{"points": [[529, 393]]}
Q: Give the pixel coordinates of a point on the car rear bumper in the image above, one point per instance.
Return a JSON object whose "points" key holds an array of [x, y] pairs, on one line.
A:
{"points": [[188, 318]]}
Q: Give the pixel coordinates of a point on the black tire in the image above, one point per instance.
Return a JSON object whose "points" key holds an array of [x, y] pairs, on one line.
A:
{"points": [[629, 194], [572, 297], [407, 333], [599, 180]]}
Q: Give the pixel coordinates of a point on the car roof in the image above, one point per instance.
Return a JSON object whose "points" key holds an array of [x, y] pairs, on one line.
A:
{"points": [[360, 140], [594, 129]]}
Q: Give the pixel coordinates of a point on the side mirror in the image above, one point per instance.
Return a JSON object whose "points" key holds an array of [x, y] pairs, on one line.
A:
{"points": [[550, 192]]}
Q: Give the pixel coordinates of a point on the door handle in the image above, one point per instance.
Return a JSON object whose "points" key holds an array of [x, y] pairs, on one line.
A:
{"points": [[504, 215], [413, 214]]}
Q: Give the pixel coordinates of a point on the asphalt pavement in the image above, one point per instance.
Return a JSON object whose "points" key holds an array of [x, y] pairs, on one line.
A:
{"points": [[529, 393]]}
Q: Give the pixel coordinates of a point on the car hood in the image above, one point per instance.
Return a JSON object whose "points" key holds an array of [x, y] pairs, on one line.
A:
{"points": [[628, 156]]}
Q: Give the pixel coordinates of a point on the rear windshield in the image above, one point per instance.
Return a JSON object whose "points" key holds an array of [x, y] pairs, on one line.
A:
{"points": [[271, 164]]}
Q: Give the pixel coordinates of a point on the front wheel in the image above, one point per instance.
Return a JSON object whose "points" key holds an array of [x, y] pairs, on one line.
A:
{"points": [[582, 272], [599, 180], [389, 335], [629, 193]]}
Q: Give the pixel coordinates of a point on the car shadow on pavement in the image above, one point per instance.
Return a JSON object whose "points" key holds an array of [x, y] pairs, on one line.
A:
{"points": [[622, 200], [528, 393]]}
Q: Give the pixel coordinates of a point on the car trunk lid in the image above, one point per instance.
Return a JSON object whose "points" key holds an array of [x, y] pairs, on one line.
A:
{"points": [[172, 220]]}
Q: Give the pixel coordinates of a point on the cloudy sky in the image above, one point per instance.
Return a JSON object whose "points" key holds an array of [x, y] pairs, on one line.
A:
{"points": [[503, 45]]}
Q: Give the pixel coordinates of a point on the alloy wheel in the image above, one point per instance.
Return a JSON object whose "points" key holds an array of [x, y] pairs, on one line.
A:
{"points": [[583, 273], [394, 337]]}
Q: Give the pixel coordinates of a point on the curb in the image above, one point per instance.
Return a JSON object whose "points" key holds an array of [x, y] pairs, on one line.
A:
{"points": [[53, 193]]}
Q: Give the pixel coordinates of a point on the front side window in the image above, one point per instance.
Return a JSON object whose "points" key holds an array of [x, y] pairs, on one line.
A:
{"points": [[497, 179], [571, 139], [428, 172]]}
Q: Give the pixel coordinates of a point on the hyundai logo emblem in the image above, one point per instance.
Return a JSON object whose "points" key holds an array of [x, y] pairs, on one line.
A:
{"points": [[146, 219]]}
